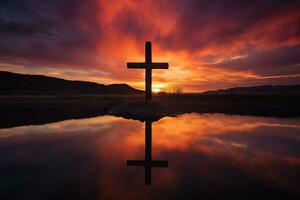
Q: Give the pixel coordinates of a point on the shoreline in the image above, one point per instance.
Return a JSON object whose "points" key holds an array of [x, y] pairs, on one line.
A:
{"points": [[25, 110]]}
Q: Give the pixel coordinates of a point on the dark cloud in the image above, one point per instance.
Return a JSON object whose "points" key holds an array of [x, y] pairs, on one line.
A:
{"points": [[280, 61], [214, 23], [126, 22], [57, 31]]}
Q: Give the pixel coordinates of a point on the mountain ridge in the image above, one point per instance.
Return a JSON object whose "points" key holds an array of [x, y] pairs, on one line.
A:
{"points": [[26, 84], [261, 89]]}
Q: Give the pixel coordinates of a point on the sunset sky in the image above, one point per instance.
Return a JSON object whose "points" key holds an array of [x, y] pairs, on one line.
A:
{"points": [[208, 44]]}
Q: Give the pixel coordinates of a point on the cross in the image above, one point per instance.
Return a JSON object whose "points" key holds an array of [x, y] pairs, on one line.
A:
{"points": [[148, 65], [148, 162]]}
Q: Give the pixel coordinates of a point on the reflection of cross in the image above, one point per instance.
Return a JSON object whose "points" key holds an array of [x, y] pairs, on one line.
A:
{"points": [[148, 162], [148, 65]]}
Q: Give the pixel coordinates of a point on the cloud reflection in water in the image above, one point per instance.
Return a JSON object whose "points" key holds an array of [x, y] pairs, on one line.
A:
{"points": [[210, 156]]}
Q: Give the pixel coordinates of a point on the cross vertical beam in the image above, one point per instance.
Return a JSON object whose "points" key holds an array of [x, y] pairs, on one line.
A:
{"points": [[148, 74]]}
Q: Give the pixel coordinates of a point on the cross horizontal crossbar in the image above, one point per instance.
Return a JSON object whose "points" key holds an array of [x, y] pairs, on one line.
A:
{"points": [[153, 163], [142, 65]]}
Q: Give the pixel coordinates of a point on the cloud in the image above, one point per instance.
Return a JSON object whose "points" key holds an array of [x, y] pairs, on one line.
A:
{"points": [[48, 31], [279, 61], [260, 38]]}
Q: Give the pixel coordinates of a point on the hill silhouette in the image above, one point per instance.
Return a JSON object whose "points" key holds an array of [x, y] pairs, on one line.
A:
{"points": [[259, 90], [24, 84]]}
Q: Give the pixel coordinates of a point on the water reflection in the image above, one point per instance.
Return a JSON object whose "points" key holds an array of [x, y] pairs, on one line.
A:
{"points": [[213, 156], [148, 163]]}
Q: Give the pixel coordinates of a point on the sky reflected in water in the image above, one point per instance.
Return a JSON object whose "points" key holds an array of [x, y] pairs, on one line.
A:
{"points": [[209, 156]]}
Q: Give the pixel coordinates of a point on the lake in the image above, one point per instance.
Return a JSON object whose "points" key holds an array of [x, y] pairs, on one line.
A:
{"points": [[191, 156]]}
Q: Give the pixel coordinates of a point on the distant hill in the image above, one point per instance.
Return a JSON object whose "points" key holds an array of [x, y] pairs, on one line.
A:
{"points": [[264, 89], [23, 84]]}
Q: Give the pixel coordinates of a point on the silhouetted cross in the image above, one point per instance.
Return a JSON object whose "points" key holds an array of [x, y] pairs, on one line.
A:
{"points": [[148, 65], [148, 162]]}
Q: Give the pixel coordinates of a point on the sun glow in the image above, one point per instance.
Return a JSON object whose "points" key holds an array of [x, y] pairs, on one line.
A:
{"points": [[156, 90], [159, 88]]}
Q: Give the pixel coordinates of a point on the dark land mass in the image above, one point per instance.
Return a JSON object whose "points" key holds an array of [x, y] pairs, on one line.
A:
{"points": [[34, 110], [35, 99], [260, 90], [23, 84]]}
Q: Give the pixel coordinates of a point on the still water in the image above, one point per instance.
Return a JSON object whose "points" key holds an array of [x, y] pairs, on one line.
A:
{"points": [[192, 156]]}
